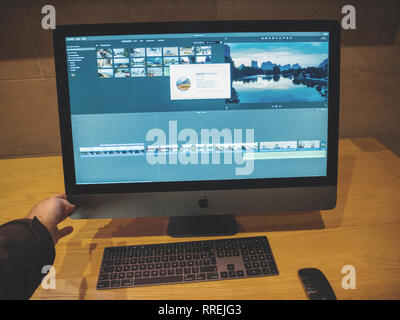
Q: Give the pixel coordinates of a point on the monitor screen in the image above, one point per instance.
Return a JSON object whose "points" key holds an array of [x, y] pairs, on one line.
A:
{"points": [[198, 106]]}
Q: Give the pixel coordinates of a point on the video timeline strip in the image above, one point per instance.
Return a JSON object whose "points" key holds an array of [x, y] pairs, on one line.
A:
{"points": [[139, 149]]}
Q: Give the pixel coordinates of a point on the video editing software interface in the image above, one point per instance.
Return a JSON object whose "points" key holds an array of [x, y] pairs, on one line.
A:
{"points": [[126, 90]]}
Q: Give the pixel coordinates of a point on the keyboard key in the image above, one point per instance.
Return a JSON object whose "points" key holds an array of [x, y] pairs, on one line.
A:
{"points": [[107, 269], [171, 272], [272, 267], [106, 263], [103, 276], [224, 274], [190, 277], [212, 275], [201, 276], [265, 271], [240, 273], [126, 282], [232, 274], [115, 283], [208, 269], [154, 273], [103, 284], [231, 267], [253, 272], [157, 280]]}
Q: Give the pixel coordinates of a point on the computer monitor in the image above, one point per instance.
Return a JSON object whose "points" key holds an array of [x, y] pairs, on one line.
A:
{"points": [[198, 121]]}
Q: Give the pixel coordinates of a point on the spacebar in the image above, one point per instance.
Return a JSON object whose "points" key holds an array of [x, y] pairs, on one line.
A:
{"points": [[168, 279]]}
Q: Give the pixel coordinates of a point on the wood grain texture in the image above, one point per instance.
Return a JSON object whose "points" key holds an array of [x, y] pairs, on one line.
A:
{"points": [[363, 231]]}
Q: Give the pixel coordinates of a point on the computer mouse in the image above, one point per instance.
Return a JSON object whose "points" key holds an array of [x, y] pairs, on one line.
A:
{"points": [[316, 285]]}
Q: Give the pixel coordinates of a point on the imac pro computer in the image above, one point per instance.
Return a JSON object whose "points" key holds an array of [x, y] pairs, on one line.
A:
{"points": [[198, 121]]}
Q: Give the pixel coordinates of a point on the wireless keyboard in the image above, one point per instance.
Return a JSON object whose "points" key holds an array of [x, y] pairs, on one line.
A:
{"points": [[181, 262]]}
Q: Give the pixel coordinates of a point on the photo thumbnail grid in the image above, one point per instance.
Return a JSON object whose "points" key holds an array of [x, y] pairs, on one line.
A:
{"points": [[147, 61]]}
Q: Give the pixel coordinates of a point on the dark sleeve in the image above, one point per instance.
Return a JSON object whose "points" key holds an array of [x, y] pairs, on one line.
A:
{"points": [[25, 247]]}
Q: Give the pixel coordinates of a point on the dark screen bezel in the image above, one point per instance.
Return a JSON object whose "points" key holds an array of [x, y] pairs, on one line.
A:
{"points": [[61, 32]]}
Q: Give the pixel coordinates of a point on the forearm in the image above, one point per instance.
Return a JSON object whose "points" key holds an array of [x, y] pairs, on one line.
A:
{"points": [[25, 247]]}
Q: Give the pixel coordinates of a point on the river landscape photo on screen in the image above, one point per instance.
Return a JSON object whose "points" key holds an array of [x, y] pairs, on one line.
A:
{"points": [[278, 72]]}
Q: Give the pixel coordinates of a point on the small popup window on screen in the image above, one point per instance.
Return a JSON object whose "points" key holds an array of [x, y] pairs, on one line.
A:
{"points": [[200, 81]]}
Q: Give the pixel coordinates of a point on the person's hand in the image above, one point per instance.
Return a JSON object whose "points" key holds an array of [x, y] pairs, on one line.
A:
{"points": [[51, 212]]}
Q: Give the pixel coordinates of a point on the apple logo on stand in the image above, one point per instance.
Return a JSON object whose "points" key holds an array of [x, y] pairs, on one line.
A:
{"points": [[203, 203]]}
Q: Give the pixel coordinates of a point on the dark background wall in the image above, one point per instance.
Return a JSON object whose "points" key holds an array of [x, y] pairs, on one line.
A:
{"points": [[370, 71]]}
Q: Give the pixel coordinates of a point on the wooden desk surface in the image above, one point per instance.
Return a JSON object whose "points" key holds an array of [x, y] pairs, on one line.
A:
{"points": [[363, 231]]}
